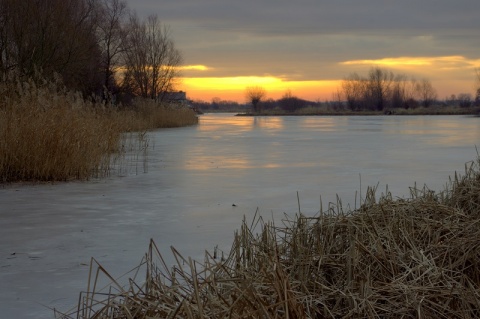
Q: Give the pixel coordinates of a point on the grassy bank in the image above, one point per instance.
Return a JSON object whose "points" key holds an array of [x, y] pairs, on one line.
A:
{"points": [[50, 134], [392, 258]]}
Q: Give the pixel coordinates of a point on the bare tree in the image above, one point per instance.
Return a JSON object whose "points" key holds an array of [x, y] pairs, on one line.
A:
{"points": [[379, 88], [151, 58], [254, 94], [426, 92], [51, 36], [112, 16], [337, 100], [399, 91], [373, 92], [354, 88], [464, 99], [477, 86]]}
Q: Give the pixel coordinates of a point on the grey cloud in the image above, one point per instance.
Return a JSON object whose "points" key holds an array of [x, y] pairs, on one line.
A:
{"points": [[308, 16], [307, 39]]}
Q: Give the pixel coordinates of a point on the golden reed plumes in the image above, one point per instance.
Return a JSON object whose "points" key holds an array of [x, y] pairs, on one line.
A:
{"points": [[48, 133]]}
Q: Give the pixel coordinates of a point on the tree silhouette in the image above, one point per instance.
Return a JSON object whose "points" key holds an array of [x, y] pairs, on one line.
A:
{"points": [[254, 94]]}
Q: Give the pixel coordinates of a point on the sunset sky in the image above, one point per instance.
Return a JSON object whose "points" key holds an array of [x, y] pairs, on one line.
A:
{"points": [[309, 46]]}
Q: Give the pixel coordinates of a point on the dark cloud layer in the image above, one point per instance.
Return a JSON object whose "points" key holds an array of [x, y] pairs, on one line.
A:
{"points": [[309, 16], [309, 39]]}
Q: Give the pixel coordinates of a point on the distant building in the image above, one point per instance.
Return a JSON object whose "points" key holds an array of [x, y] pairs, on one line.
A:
{"points": [[178, 97]]}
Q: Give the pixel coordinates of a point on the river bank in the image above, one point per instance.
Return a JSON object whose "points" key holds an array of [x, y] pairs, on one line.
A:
{"points": [[329, 111]]}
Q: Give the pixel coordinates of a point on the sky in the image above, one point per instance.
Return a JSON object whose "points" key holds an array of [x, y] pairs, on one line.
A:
{"points": [[308, 46]]}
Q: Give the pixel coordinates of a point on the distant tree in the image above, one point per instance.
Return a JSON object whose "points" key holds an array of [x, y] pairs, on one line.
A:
{"points": [[354, 89], [254, 94], [426, 92], [337, 101], [379, 88], [399, 93], [291, 103], [451, 101], [151, 58], [216, 101], [464, 100], [477, 86]]}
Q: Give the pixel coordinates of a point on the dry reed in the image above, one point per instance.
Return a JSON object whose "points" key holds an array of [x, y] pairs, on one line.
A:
{"points": [[147, 115], [403, 258], [50, 134]]}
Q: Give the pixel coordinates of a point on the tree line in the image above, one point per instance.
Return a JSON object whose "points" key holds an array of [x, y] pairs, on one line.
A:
{"points": [[380, 90], [98, 47]]}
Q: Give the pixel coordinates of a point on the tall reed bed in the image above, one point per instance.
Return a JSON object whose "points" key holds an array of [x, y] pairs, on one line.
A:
{"points": [[48, 133], [146, 115], [392, 258]]}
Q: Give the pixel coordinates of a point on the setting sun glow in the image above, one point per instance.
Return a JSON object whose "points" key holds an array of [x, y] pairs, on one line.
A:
{"points": [[202, 82], [233, 88]]}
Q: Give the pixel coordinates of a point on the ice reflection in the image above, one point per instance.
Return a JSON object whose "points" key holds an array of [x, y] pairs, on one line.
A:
{"points": [[270, 123], [443, 130], [322, 124], [208, 162], [238, 123]]}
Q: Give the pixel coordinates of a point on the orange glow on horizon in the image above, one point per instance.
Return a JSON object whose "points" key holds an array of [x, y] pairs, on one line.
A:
{"points": [[197, 67], [442, 62], [233, 88], [439, 69]]}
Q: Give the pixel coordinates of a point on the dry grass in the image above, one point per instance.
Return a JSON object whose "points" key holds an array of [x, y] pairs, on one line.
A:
{"points": [[403, 258], [50, 134]]}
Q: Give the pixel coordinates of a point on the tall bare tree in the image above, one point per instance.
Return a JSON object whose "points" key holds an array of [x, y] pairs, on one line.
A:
{"points": [[379, 88], [151, 58], [254, 94], [51, 36], [426, 92], [354, 88], [112, 15]]}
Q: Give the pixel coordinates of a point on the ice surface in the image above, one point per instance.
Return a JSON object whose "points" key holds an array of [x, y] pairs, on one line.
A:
{"points": [[193, 176]]}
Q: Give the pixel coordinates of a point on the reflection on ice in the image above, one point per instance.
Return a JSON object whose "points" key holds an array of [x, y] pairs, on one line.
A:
{"points": [[239, 123], [268, 123]]}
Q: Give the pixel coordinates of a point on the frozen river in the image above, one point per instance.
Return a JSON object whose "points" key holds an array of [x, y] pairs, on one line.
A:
{"points": [[193, 177]]}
